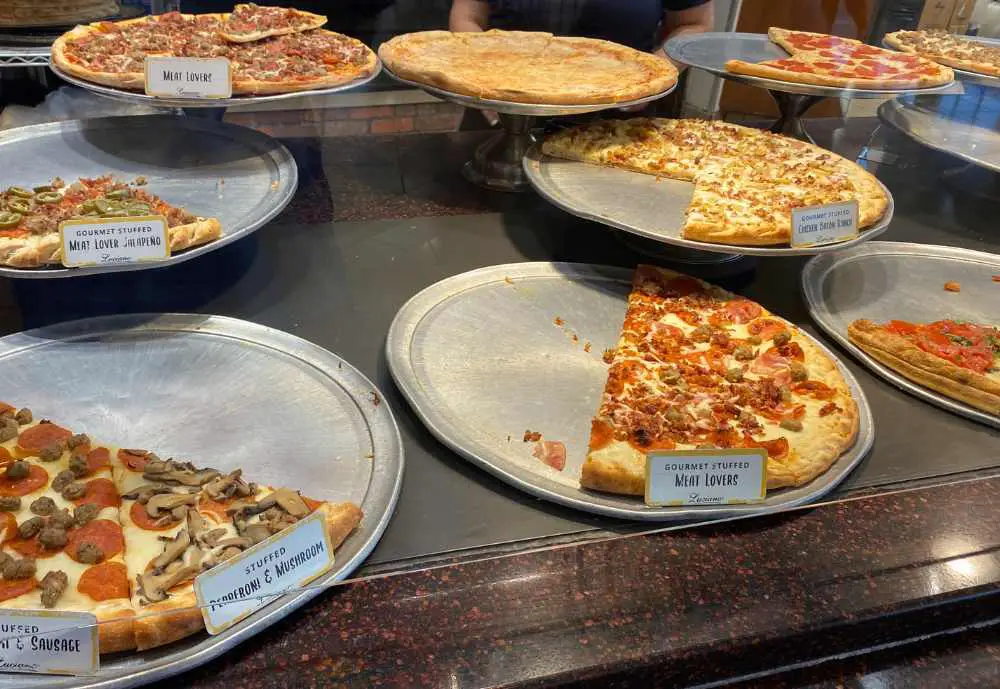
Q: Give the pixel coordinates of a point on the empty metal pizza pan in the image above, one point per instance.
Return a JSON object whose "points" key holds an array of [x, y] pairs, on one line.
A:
{"points": [[213, 169], [647, 205], [484, 356], [882, 281], [220, 392]]}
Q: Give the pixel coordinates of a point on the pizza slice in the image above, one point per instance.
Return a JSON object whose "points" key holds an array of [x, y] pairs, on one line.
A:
{"points": [[250, 22], [960, 360], [180, 521], [30, 218], [948, 49], [62, 545], [697, 367]]}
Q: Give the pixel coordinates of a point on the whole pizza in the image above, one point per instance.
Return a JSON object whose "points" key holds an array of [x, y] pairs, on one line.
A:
{"points": [[528, 67], [948, 49], [272, 50], [746, 181], [122, 533], [697, 367], [825, 60]]}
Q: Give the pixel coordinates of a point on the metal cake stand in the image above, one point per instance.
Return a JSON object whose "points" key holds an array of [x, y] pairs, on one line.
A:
{"points": [[711, 51], [496, 164]]}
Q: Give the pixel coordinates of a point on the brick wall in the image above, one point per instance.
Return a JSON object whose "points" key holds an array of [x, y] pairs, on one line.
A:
{"points": [[360, 121]]}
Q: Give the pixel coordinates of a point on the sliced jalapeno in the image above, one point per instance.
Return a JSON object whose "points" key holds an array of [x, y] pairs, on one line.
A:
{"points": [[19, 206], [44, 188], [21, 191], [9, 220], [103, 206], [119, 194], [48, 197], [144, 207], [88, 205]]}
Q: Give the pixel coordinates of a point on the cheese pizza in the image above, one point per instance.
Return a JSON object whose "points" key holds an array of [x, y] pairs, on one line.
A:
{"points": [[948, 49], [122, 534], [32, 13], [697, 367], [746, 181], [825, 60]]}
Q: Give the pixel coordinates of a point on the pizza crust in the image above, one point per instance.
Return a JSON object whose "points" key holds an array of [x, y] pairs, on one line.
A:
{"points": [[934, 372], [116, 630], [767, 72]]}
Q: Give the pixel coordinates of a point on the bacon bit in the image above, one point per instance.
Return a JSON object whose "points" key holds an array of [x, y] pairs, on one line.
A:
{"points": [[532, 436], [996, 278], [575, 338], [140, 181], [558, 321], [952, 286], [375, 398], [508, 280], [552, 453], [828, 409], [609, 355], [586, 347]]}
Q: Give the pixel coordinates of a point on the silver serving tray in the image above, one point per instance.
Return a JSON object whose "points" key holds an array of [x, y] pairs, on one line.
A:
{"points": [[140, 98], [225, 393], [964, 128], [710, 51], [240, 176], [647, 205], [481, 360], [881, 281], [531, 109]]}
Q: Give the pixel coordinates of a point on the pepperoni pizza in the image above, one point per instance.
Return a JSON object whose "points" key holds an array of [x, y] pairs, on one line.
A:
{"points": [[957, 359], [824, 60], [697, 367], [960, 52], [122, 533], [114, 53]]}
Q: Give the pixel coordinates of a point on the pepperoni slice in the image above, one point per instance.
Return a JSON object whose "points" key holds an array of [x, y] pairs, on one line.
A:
{"points": [[8, 525], [98, 458], [552, 453], [4, 408], [601, 434], [16, 587], [30, 547], [133, 459], [815, 389], [784, 411], [140, 517], [689, 317], [766, 328], [100, 492], [37, 438], [104, 533], [37, 478], [105, 581], [5, 457], [776, 449]]}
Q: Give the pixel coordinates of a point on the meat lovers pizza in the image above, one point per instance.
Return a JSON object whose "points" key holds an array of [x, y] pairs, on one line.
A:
{"points": [[697, 367], [957, 359], [824, 60], [948, 49], [123, 533], [30, 218], [746, 181], [291, 56], [528, 67]]}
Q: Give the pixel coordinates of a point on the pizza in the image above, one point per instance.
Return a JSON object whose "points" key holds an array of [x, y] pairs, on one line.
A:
{"points": [[824, 60], [32, 13], [250, 22], [746, 181], [30, 218], [114, 53], [948, 49], [122, 533], [527, 66], [697, 367], [958, 359]]}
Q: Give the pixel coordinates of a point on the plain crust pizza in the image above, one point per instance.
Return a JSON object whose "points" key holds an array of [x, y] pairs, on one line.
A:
{"points": [[948, 49], [122, 533], [528, 67], [824, 60], [746, 181], [113, 53], [958, 359], [697, 367]]}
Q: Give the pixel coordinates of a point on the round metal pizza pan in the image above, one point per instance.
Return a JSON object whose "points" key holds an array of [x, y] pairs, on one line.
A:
{"points": [[710, 51], [882, 281], [225, 393], [648, 206], [56, 26], [213, 169], [530, 109], [484, 356], [964, 127], [965, 75], [140, 98]]}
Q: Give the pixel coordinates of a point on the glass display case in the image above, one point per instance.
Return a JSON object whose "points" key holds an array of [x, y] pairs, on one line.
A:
{"points": [[388, 307]]}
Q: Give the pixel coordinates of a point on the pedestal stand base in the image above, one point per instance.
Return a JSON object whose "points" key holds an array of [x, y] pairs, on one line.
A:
{"points": [[704, 264], [496, 164], [792, 107]]}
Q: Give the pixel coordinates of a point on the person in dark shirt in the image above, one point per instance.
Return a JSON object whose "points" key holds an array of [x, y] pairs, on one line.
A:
{"points": [[642, 24]]}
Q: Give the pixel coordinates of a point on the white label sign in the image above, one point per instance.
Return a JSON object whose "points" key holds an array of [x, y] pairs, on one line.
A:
{"points": [[114, 242], [189, 77], [47, 642], [286, 561], [706, 477], [829, 224]]}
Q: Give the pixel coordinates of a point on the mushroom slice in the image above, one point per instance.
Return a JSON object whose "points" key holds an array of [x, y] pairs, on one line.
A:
{"points": [[291, 502], [229, 486], [154, 587], [213, 537], [173, 551], [256, 533], [235, 542], [158, 504], [183, 473], [144, 492], [196, 524]]}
